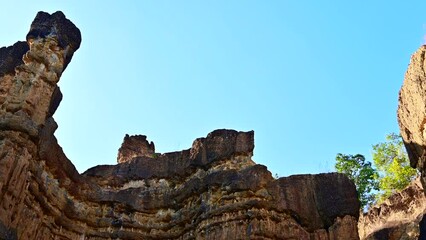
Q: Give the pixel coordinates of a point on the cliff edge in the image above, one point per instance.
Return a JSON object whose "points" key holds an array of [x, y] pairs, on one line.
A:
{"points": [[211, 191], [412, 112]]}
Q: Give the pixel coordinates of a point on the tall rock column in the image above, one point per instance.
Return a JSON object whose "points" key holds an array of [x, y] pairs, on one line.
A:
{"points": [[412, 111], [28, 90], [29, 72]]}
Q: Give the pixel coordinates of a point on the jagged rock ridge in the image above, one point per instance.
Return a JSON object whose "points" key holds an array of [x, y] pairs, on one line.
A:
{"points": [[211, 191]]}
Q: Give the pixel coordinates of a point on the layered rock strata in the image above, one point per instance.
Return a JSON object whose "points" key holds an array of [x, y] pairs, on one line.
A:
{"points": [[211, 191], [397, 218]]}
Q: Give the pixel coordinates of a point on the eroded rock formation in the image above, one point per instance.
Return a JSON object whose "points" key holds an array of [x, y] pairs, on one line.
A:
{"points": [[412, 111], [135, 146], [412, 123], [211, 191], [397, 218]]}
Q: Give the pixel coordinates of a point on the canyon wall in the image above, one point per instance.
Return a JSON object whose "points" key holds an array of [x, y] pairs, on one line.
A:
{"points": [[211, 191], [397, 218], [412, 111], [402, 216], [412, 118]]}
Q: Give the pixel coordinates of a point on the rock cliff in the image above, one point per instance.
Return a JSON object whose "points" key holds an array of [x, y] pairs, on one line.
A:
{"points": [[211, 191], [412, 111], [397, 218], [412, 123]]}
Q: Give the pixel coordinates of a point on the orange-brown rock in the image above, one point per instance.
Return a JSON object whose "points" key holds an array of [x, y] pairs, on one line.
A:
{"points": [[412, 123], [397, 218], [135, 146], [412, 111], [401, 216], [211, 191]]}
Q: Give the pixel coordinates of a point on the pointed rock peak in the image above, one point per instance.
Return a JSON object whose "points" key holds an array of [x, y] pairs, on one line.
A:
{"points": [[135, 146]]}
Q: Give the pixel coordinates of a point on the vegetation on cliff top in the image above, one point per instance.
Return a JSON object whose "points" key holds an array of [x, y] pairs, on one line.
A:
{"points": [[389, 172], [362, 173]]}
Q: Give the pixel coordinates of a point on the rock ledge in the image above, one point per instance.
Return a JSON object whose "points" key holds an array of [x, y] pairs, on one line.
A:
{"points": [[211, 191]]}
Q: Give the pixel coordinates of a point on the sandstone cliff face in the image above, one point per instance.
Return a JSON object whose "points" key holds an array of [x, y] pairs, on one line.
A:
{"points": [[135, 146], [412, 111], [211, 191], [397, 218], [402, 216]]}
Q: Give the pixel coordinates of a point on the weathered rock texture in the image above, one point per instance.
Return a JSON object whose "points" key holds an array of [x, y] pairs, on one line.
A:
{"points": [[397, 218], [403, 215], [412, 111], [211, 191], [135, 146]]}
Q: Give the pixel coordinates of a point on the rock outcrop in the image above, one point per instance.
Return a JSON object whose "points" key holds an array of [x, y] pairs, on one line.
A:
{"points": [[402, 216], [397, 218], [412, 111], [211, 191], [135, 146]]}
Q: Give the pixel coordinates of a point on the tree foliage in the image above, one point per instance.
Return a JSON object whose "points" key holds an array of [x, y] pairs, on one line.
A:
{"points": [[362, 173], [393, 165], [391, 171]]}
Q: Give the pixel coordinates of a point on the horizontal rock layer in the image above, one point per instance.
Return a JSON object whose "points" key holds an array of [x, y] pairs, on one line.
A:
{"points": [[211, 191]]}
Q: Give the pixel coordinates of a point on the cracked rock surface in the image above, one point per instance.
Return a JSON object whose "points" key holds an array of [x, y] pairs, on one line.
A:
{"points": [[211, 191], [412, 110]]}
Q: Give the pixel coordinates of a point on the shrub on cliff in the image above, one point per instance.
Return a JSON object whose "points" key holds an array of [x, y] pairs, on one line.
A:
{"points": [[393, 166], [390, 172]]}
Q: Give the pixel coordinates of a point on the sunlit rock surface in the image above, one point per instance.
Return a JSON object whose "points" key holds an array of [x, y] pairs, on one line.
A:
{"points": [[412, 111], [397, 218], [135, 146], [211, 191], [401, 217]]}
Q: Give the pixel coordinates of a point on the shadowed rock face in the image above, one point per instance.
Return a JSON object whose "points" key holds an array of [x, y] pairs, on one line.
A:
{"points": [[211, 191], [11, 57], [397, 218], [401, 217]]}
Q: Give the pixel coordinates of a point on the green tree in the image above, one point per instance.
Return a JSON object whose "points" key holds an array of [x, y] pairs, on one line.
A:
{"points": [[393, 166], [362, 173]]}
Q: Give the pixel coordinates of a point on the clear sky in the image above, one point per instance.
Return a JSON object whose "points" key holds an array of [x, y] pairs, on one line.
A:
{"points": [[311, 78]]}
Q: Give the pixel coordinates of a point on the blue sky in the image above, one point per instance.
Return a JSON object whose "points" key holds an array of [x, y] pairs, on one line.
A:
{"points": [[311, 78]]}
